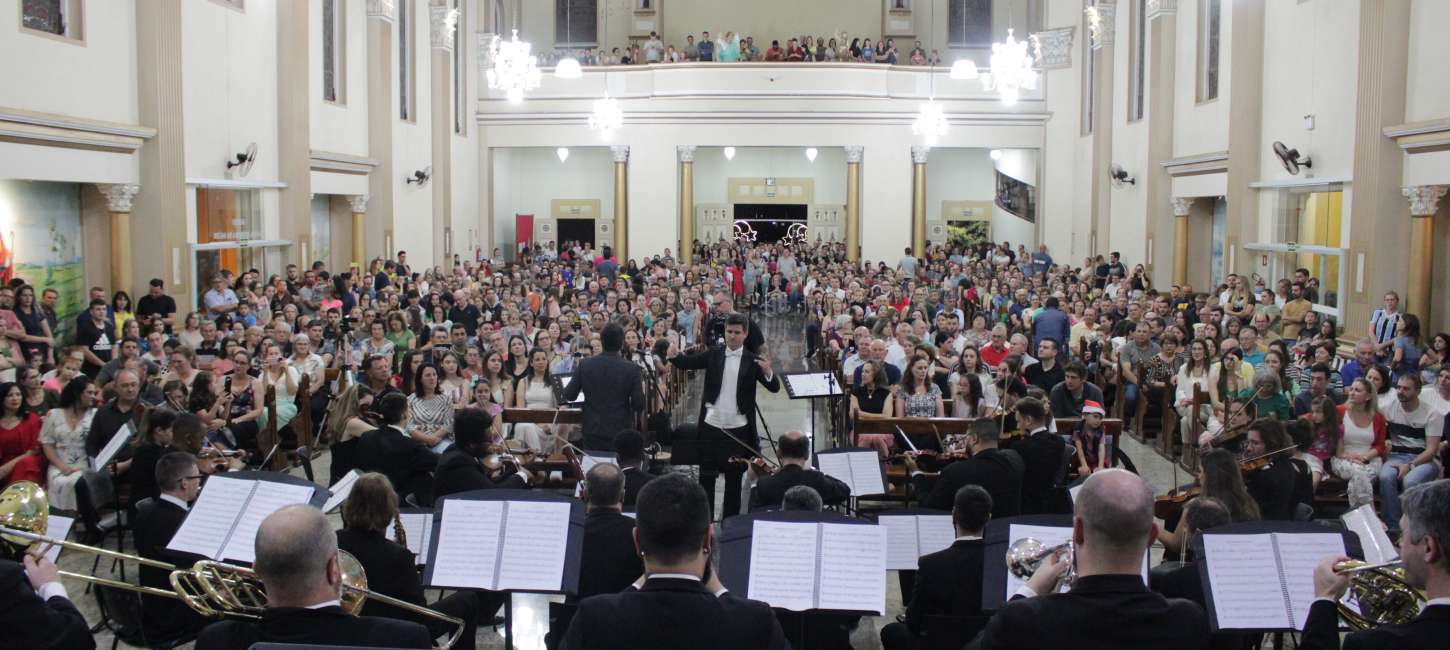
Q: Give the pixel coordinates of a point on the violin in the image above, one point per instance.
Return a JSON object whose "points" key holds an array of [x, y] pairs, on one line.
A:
{"points": [[1256, 463], [756, 464], [1170, 506]]}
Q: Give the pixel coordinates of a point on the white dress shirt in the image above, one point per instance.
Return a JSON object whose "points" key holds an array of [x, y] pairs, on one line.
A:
{"points": [[724, 413], [176, 501]]}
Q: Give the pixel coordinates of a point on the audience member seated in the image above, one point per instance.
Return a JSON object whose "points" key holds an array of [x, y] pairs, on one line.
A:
{"points": [[1068, 397]]}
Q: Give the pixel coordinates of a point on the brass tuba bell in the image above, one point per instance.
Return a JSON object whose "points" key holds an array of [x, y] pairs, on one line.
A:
{"points": [[24, 507], [1383, 595]]}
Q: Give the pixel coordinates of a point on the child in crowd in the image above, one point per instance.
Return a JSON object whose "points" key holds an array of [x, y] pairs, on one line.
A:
{"points": [[1091, 439]]}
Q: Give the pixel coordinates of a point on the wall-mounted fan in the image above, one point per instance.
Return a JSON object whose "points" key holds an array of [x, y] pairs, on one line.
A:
{"points": [[243, 163], [421, 176], [1290, 158], [1120, 177]]}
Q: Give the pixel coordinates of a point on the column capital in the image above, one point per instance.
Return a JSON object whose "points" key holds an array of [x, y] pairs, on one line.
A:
{"points": [[620, 152], [1424, 199], [854, 152], [919, 153], [1181, 205], [381, 9], [1101, 23], [118, 195], [1053, 47], [1158, 8], [443, 20], [359, 203], [685, 152]]}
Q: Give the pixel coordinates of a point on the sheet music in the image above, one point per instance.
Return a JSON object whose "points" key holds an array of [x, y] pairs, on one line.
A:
{"points": [[1366, 524], [536, 536], [812, 385], [108, 453], [902, 542], [340, 490], [418, 527], [934, 533], [1245, 583], [1299, 553], [1072, 492], [837, 466], [866, 473], [853, 570], [57, 527], [268, 498], [783, 564], [564, 383], [212, 517], [588, 461], [468, 544]]}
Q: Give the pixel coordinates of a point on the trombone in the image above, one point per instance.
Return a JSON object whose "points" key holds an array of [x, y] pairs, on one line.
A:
{"points": [[212, 589]]}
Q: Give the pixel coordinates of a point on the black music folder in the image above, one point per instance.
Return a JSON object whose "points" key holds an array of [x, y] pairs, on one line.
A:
{"points": [[1259, 576], [806, 561], [507, 540], [223, 522]]}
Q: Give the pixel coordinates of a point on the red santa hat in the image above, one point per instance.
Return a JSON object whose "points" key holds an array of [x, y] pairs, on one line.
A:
{"points": [[1089, 406]]}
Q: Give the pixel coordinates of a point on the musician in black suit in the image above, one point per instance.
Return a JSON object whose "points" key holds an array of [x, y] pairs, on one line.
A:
{"points": [[610, 563], [1108, 605], [1425, 550], [998, 471], [1272, 486], [297, 562], [951, 579], [629, 453], [1043, 462], [795, 469], [35, 610], [390, 451], [157, 520], [612, 391], [461, 468], [1181, 579], [371, 508], [727, 407], [677, 606]]}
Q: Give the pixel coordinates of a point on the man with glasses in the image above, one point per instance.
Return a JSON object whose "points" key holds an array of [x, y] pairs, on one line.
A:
{"points": [[157, 521], [721, 306]]}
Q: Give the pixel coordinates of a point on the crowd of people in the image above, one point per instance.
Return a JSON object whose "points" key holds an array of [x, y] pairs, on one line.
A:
{"points": [[729, 46], [404, 374]]}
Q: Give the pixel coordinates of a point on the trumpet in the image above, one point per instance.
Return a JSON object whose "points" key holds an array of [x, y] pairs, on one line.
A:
{"points": [[213, 589], [1026, 555], [1383, 594]]}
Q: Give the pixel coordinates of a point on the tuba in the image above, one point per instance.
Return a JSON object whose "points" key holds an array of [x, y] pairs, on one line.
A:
{"points": [[1026, 555], [1381, 592]]}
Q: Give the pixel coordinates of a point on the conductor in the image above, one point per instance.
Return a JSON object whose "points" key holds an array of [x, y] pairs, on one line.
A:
{"points": [[612, 392], [727, 408]]}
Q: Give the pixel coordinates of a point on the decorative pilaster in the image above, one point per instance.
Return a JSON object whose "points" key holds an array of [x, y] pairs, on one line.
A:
{"points": [[918, 199], [1101, 25], [1053, 47], [1424, 202], [381, 9], [686, 154], [621, 202], [441, 25], [1158, 8], [1181, 208], [118, 202], [359, 204], [854, 154]]}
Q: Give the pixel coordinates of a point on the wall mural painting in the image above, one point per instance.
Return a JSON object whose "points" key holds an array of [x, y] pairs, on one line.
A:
{"points": [[40, 241]]}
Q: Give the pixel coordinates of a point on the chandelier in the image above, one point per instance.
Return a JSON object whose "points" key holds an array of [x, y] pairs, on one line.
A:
{"points": [[514, 69], [931, 122], [607, 116], [1011, 70]]}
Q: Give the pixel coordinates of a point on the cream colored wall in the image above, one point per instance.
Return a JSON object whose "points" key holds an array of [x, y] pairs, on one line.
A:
{"points": [[1062, 199], [412, 150], [41, 163], [229, 86], [828, 172], [95, 79], [465, 214], [1200, 127], [1130, 149], [1428, 86], [340, 127], [527, 179]]}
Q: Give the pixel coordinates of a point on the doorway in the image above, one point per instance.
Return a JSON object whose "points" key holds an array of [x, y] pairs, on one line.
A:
{"points": [[770, 222], [576, 230]]}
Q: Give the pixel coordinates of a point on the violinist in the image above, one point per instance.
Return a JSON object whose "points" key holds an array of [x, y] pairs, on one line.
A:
{"points": [[795, 469], [465, 465], [998, 471], [1218, 477], [1225, 429], [1271, 483]]}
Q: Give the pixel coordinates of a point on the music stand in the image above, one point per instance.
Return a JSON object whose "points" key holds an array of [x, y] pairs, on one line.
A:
{"points": [[574, 548], [1352, 548], [994, 550], [810, 386]]}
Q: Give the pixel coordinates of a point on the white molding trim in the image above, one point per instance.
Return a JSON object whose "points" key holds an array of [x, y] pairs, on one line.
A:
{"points": [[1287, 183], [1201, 163], [50, 129], [235, 184], [762, 117], [342, 163], [1421, 137]]}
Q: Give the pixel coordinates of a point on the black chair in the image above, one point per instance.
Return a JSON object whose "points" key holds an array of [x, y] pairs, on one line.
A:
{"points": [[101, 515], [344, 459], [952, 632], [121, 614], [560, 615]]}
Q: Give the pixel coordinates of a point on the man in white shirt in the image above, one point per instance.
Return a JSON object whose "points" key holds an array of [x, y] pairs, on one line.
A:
{"points": [[1384, 323], [1414, 429]]}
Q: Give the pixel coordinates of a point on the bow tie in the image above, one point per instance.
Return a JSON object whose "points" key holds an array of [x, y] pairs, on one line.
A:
{"points": [[734, 353]]}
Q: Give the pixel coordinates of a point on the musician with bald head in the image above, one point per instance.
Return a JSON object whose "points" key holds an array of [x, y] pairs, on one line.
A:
{"points": [[297, 561], [1108, 606]]}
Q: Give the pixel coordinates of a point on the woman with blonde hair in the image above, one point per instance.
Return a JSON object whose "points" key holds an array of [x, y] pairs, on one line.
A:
{"points": [[347, 415]]}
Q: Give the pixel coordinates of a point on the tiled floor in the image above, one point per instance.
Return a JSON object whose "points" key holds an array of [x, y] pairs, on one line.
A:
{"points": [[781, 414]]}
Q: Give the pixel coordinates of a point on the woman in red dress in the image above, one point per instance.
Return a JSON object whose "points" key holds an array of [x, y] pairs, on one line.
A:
{"points": [[20, 457]]}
